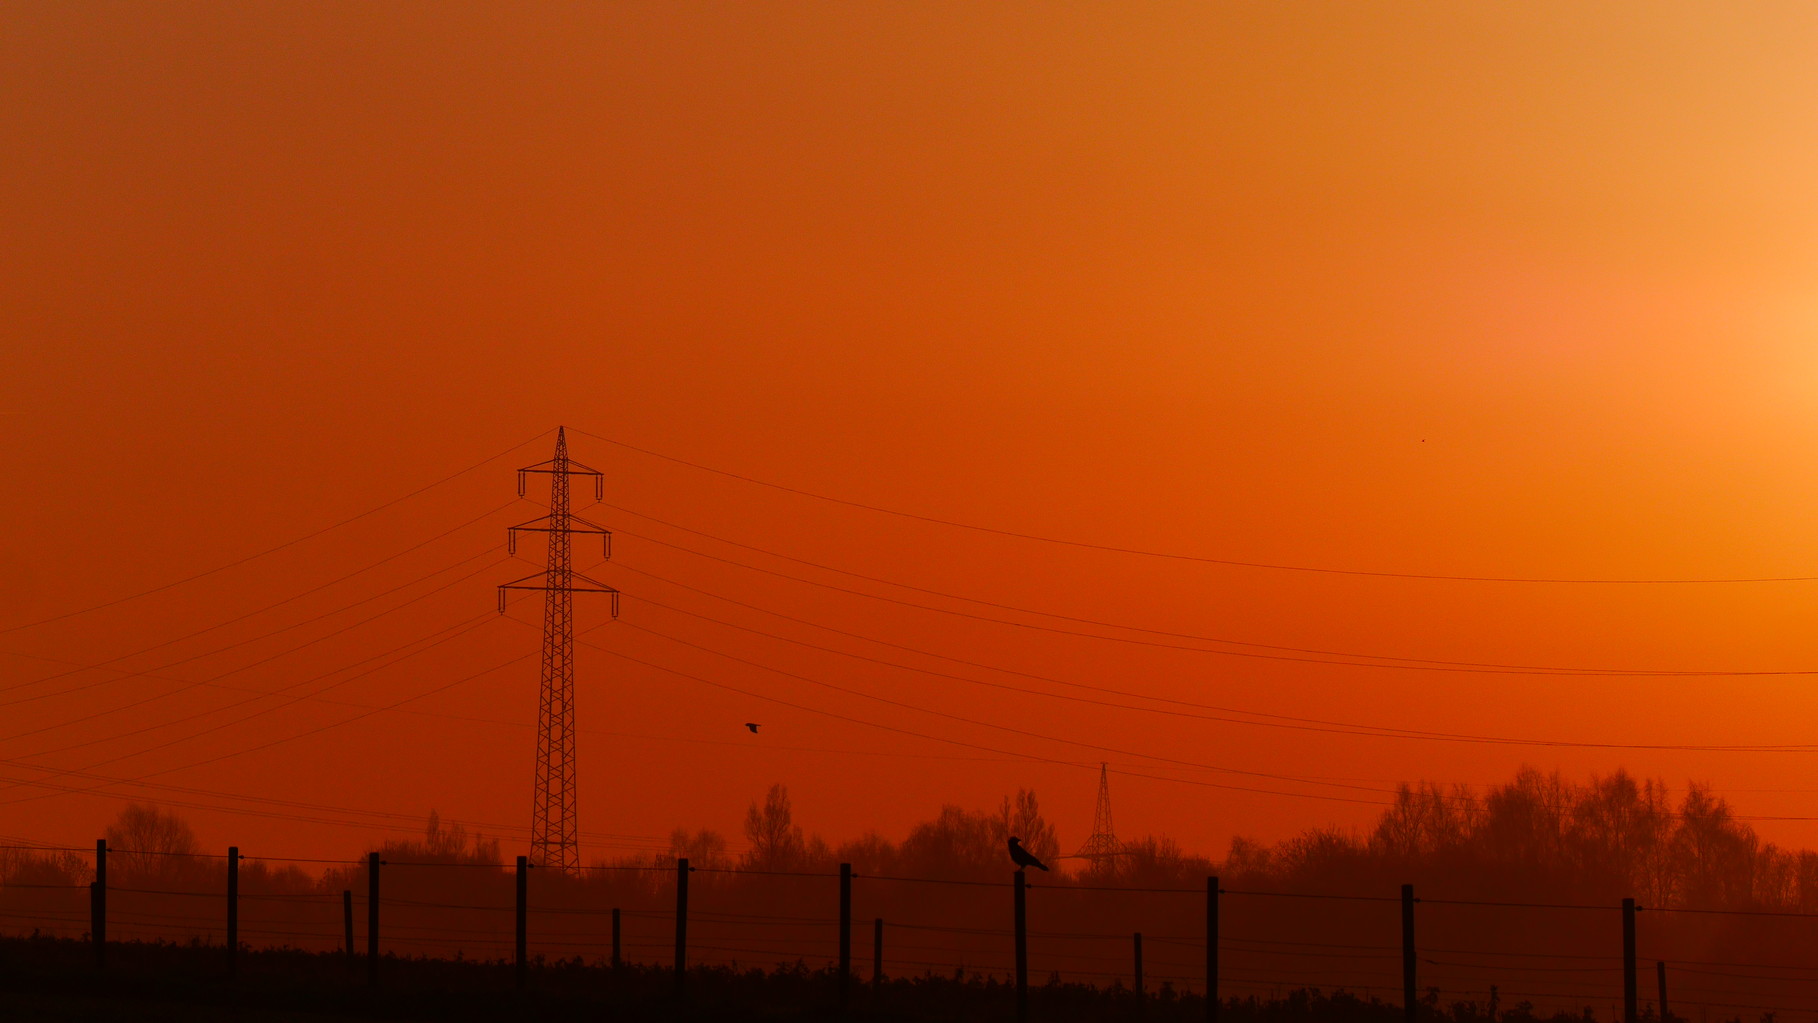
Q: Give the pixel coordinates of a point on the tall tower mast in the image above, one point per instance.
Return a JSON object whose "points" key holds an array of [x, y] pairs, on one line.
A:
{"points": [[1103, 843], [554, 833]]}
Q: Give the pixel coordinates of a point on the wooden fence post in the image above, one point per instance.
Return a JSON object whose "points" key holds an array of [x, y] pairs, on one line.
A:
{"points": [[1660, 974], [845, 936], [877, 956], [1022, 950], [1630, 1007], [681, 925], [98, 905], [1409, 999], [372, 918], [347, 919], [1211, 950], [1142, 997], [616, 961], [523, 921], [233, 911]]}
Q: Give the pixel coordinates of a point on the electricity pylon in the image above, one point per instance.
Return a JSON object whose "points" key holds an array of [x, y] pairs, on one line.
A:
{"points": [[1103, 844], [554, 834]]}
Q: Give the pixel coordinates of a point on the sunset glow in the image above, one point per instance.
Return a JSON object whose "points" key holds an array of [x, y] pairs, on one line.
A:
{"points": [[1276, 403]]}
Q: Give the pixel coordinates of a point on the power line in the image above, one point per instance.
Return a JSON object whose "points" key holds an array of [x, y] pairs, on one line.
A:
{"points": [[265, 660], [250, 614], [318, 813], [122, 674], [604, 838], [1111, 548], [1402, 663], [313, 731], [961, 742], [434, 640], [1555, 810], [273, 550], [642, 736], [987, 724], [1046, 614], [1281, 721]]}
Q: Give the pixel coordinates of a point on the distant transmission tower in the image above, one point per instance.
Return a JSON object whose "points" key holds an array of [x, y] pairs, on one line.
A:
{"points": [[1103, 844], [554, 834]]}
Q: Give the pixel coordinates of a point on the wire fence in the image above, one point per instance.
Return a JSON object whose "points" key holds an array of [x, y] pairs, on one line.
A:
{"points": [[1164, 942]]}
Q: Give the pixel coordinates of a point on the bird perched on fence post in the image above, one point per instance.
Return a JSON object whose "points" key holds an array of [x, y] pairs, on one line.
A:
{"points": [[1023, 857]]}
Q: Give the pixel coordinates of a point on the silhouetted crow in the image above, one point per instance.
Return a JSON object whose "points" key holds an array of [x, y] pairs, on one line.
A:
{"points": [[1023, 857], [752, 725]]}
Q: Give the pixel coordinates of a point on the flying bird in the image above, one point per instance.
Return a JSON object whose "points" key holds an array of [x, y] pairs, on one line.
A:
{"points": [[752, 725], [1023, 857]]}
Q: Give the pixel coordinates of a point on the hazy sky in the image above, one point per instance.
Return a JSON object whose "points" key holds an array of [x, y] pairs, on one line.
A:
{"points": [[1487, 290]]}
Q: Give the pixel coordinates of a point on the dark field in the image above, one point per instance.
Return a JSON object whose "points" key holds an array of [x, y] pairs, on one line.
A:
{"points": [[55, 979]]}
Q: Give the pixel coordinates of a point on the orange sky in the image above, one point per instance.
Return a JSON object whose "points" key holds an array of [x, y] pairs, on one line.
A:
{"points": [[1485, 290]]}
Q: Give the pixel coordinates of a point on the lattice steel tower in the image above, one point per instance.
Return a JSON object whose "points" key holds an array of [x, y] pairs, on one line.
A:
{"points": [[1103, 843], [554, 835]]}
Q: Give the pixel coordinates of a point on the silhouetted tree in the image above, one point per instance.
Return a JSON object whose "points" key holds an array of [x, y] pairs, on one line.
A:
{"points": [[1153, 861], [1714, 855], [1523, 827], [958, 844], [1616, 824], [1021, 815], [1543, 836], [151, 842], [444, 843], [776, 841], [703, 848], [1249, 858], [870, 853], [1426, 821]]}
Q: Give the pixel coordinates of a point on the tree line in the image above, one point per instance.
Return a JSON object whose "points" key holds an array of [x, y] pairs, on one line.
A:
{"points": [[1538, 837], [1539, 833]]}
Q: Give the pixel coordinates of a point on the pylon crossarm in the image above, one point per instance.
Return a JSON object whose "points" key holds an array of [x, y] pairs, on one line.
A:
{"points": [[592, 527], [615, 604], [574, 468], [526, 583], [528, 527], [516, 584], [599, 587], [531, 524], [570, 468], [574, 589], [511, 533]]}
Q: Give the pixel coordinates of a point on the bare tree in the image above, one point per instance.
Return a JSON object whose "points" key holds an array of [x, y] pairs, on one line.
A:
{"points": [[702, 848], [1715, 854], [870, 853], [776, 841], [151, 842], [958, 844], [1021, 816]]}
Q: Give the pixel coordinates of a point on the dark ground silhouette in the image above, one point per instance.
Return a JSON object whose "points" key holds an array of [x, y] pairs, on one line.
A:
{"points": [[943, 891], [52, 979]]}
